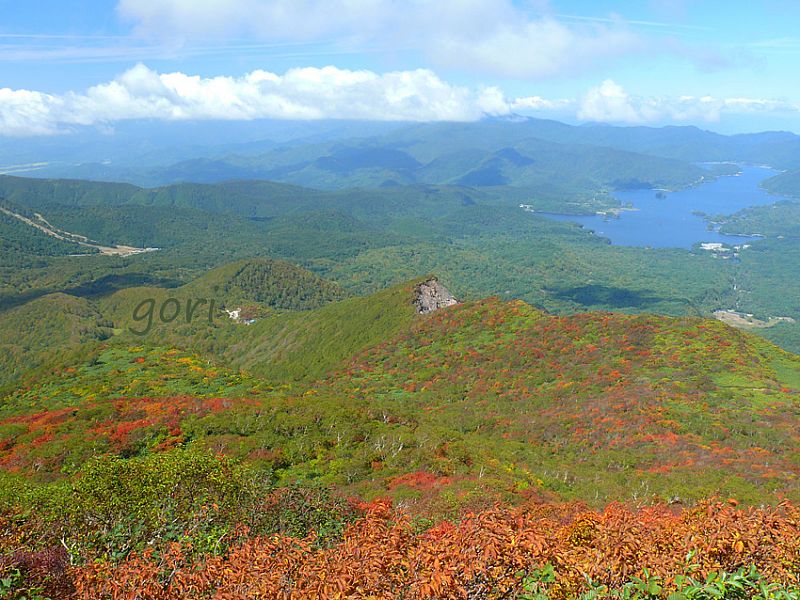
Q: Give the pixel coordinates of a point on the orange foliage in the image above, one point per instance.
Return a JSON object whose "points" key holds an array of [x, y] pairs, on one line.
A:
{"points": [[380, 555]]}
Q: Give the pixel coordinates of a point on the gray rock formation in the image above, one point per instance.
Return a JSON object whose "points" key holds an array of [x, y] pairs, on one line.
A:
{"points": [[431, 296]]}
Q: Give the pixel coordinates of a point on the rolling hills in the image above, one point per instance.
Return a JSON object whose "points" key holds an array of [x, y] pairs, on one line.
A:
{"points": [[62, 323], [476, 238]]}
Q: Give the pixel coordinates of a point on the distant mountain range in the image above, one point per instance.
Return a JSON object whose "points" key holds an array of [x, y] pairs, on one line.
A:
{"points": [[520, 152]]}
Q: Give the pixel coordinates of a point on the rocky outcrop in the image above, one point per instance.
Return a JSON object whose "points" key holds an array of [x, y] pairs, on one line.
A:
{"points": [[432, 295]]}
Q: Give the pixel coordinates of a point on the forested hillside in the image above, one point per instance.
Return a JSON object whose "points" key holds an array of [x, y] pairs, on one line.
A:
{"points": [[786, 184], [477, 240]]}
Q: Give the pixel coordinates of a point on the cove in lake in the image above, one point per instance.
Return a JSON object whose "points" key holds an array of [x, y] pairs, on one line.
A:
{"points": [[669, 222]]}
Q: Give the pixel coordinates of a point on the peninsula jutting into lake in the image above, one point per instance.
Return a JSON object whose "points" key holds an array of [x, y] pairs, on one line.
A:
{"points": [[672, 221]]}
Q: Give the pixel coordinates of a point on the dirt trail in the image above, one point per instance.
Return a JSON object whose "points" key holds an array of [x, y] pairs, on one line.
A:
{"points": [[748, 321], [44, 226]]}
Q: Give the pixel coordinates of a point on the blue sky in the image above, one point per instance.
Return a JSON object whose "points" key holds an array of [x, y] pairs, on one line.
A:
{"points": [[727, 66]]}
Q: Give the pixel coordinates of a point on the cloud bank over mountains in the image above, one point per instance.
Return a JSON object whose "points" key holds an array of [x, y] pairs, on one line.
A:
{"points": [[334, 93], [307, 93]]}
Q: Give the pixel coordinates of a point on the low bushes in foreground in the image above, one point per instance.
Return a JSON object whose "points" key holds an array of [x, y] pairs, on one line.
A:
{"points": [[538, 551]]}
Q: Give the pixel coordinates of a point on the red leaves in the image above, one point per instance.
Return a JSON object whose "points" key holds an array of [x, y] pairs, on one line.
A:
{"points": [[421, 480]]}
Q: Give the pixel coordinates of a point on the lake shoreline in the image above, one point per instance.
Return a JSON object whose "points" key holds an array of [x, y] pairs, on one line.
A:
{"points": [[654, 218]]}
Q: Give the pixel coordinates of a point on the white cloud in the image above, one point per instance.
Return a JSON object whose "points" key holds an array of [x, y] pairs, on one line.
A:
{"points": [[304, 93], [609, 102], [491, 101], [333, 93], [759, 104], [490, 36], [538, 48], [537, 103], [24, 112], [265, 19]]}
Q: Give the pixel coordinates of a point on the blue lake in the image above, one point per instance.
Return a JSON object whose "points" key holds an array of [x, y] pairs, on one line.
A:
{"points": [[669, 222]]}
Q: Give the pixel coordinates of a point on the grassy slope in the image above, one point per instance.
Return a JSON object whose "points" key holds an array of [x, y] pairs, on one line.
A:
{"points": [[60, 323], [46, 329], [589, 405], [282, 344], [307, 345]]}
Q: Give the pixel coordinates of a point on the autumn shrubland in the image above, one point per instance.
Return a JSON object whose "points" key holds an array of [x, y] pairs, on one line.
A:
{"points": [[534, 550], [486, 450]]}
